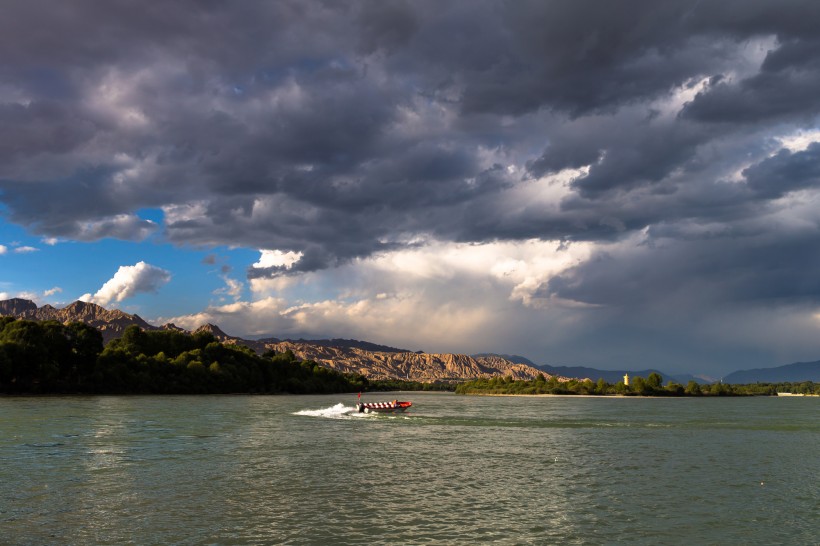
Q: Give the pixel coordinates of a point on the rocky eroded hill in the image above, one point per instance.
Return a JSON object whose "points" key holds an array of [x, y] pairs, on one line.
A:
{"points": [[424, 367]]}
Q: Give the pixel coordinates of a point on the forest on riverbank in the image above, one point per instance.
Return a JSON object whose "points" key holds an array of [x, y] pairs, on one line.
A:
{"points": [[53, 358], [638, 386]]}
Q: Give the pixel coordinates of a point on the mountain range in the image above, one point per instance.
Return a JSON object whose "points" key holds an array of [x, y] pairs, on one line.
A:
{"points": [[610, 376], [384, 362], [794, 373], [111, 323]]}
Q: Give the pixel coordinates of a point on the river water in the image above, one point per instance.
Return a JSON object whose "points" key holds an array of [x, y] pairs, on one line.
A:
{"points": [[453, 470]]}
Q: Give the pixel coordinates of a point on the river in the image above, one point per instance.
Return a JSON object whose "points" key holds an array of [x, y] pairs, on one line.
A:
{"points": [[453, 470]]}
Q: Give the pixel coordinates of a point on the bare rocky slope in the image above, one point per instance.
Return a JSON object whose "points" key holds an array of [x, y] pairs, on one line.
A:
{"points": [[350, 356], [424, 367]]}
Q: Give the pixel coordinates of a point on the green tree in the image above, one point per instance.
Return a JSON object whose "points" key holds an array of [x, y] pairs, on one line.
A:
{"points": [[8, 372], [675, 389], [86, 343], [639, 386], [30, 354], [693, 389], [719, 389]]}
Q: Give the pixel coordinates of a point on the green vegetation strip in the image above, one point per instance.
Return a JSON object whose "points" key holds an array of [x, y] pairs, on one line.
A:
{"points": [[52, 358], [638, 386]]}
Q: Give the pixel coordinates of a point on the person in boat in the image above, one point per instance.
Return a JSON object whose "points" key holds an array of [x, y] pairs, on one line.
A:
{"points": [[395, 403]]}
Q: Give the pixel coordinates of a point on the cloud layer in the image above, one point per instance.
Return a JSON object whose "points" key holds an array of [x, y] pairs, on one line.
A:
{"points": [[657, 137]]}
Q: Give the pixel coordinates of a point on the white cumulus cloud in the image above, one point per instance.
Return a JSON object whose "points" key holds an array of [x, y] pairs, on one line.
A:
{"points": [[243, 318], [128, 281], [232, 288], [25, 249], [277, 258], [439, 297]]}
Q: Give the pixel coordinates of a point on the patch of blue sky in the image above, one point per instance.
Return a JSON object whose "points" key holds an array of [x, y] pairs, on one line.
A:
{"points": [[80, 268], [153, 214]]}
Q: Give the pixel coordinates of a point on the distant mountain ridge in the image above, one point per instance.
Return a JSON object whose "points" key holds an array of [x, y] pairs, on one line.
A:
{"points": [[583, 372], [111, 323], [337, 342], [610, 376], [792, 373], [512, 358], [16, 307]]}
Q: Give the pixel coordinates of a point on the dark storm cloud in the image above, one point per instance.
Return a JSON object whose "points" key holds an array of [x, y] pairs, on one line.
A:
{"points": [[340, 130], [785, 87], [719, 270], [622, 160], [88, 206], [42, 127], [386, 25], [785, 172]]}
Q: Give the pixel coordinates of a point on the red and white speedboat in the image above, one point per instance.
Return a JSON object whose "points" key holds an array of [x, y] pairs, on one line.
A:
{"points": [[383, 407]]}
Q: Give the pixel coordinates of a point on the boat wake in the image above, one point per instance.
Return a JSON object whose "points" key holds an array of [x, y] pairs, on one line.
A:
{"points": [[339, 411]]}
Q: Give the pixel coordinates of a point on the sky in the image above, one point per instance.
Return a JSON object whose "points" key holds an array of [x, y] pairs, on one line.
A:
{"points": [[621, 184]]}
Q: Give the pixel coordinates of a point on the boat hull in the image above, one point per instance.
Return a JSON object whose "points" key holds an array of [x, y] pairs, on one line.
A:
{"points": [[383, 407]]}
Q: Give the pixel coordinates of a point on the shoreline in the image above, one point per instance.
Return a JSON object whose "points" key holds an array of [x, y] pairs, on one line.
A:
{"points": [[570, 395], [636, 396]]}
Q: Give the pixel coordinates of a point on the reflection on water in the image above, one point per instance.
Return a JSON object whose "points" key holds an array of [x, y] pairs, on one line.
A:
{"points": [[311, 470]]}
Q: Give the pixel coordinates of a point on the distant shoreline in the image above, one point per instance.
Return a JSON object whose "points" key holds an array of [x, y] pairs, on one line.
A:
{"points": [[780, 394], [569, 395]]}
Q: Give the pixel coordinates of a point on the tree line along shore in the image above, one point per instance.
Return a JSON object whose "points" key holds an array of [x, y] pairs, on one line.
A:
{"points": [[49, 357], [638, 386]]}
